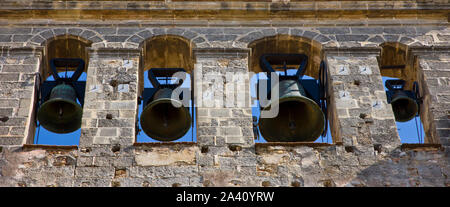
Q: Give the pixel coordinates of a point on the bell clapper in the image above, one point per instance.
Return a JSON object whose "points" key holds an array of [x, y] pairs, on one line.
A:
{"points": [[292, 125], [60, 111]]}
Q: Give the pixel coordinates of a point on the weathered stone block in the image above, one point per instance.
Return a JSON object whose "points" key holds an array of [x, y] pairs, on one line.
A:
{"points": [[165, 156]]}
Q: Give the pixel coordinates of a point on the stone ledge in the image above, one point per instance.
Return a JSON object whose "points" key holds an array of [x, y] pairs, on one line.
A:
{"points": [[8, 50], [421, 147], [416, 50], [227, 23], [352, 50], [294, 144], [27, 147], [163, 144], [213, 52], [213, 9], [105, 51], [256, 5]]}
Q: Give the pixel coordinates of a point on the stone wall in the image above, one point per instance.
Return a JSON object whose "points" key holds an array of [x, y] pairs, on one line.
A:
{"points": [[366, 148], [18, 80]]}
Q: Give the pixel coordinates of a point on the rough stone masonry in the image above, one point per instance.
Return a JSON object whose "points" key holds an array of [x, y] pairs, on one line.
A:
{"points": [[118, 40]]}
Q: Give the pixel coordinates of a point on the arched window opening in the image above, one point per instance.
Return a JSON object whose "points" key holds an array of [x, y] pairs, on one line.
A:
{"points": [[60, 101], [66, 46], [166, 63], [48, 137], [403, 92], [303, 90]]}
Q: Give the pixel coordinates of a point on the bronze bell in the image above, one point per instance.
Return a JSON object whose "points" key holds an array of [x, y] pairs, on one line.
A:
{"points": [[300, 119], [405, 108], [61, 113], [163, 121], [404, 103]]}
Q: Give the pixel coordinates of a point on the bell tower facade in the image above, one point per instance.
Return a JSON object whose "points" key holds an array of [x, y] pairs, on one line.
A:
{"points": [[336, 122]]}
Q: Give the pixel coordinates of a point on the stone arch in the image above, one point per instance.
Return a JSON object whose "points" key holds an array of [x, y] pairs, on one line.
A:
{"points": [[396, 61], [142, 36], [267, 32], [85, 37], [65, 46], [381, 39], [156, 50], [287, 44], [46, 35]]}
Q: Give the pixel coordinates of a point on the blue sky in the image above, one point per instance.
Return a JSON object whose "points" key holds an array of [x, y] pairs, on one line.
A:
{"points": [[407, 130]]}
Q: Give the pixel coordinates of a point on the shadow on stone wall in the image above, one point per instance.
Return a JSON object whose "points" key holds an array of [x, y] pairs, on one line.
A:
{"points": [[407, 168]]}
